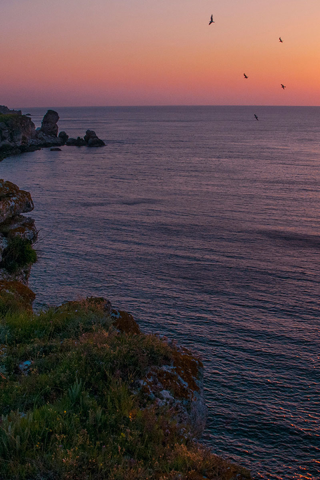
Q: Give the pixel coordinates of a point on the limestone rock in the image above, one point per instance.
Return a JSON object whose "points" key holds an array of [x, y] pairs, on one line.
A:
{"points": [[49, 123], [179, 385], [124, 322], [76, 142], [8, 189], [64, 137], [19, 226], [15, 130], [5, 111], [13, 202], [93, 140]]}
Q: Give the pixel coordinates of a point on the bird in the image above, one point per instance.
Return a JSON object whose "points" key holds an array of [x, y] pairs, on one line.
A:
{"points": [[256, 116], [280, 40], [283, 86], [245, 76], [211, 20]]}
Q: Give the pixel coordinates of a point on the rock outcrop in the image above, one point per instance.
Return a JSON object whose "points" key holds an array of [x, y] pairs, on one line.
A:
{"points": [[5, 110], [176, 384], [90, 139], [17, 234], [18, 134], [76, 142], [49, 124]]}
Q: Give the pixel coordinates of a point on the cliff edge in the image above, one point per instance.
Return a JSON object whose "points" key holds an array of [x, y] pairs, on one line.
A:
{"points": [[84, 394]]}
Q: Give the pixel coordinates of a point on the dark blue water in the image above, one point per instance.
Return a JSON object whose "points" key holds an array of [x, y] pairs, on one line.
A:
{"points": [[203, 223]]}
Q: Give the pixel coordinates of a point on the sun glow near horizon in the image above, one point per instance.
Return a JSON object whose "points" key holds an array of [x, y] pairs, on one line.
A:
{"points": [[137, 53]]}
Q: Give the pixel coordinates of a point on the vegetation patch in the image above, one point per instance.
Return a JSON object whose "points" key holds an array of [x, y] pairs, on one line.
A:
{"points": [[71, 408], [19, 253]]}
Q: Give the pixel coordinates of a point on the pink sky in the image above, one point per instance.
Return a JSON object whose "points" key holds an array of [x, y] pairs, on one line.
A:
{"points": [[148, 52]]}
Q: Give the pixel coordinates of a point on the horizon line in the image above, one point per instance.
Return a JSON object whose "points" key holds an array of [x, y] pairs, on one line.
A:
{"points": [[170, 106]]}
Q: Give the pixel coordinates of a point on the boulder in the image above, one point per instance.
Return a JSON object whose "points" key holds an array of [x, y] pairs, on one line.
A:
{"points": [[64, 137], [13, 201], [93, 140], [49, 123], [76, 142], [55, 149], [19, 226]]}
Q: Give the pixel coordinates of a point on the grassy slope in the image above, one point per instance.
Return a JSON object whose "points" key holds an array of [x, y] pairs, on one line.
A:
{"points": [[71, 408]]}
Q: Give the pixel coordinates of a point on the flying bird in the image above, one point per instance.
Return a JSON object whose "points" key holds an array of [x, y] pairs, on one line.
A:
{"points": [[245, 76], [256, 116], [211, 20], [283, 86], [280, 40]]}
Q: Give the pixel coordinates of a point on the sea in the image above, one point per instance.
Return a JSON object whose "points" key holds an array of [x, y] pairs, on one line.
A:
{"points": [[204, 224]]}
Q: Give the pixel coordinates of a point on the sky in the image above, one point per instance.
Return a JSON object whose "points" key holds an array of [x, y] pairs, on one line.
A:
{"points": [[159, 52]]}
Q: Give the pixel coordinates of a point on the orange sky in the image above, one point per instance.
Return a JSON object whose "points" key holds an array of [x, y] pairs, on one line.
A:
{"points": [[148, 52]]}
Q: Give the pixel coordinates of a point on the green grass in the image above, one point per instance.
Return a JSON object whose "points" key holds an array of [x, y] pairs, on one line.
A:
{"points": [[71, 410], [19, 253]]}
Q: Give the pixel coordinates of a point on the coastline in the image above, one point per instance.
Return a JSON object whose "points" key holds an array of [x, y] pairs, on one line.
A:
{"points": [[164, 385]]}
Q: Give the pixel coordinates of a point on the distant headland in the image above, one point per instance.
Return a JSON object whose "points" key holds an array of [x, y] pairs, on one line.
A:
{"points": [[18, 134]]}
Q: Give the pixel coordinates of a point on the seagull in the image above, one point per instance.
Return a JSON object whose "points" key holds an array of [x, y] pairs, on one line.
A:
{"points": [[256, 116], [283, 86], [211, 20], [280, 40], [245, 76]]}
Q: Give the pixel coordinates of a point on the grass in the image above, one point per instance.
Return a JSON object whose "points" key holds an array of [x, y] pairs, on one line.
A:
{"points": [[19, 253], [71, 408]]}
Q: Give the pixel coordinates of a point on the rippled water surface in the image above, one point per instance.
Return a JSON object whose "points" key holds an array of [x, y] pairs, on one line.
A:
{"points": [[203, 223]]}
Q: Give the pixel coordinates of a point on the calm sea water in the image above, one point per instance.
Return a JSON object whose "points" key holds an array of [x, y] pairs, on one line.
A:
{"points": [[203, 223]]}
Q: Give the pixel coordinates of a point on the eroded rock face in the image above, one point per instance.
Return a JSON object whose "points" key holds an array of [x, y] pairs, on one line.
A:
{"points": [[15, 130], [18, 134], [13, 202], [64, 137], [92, 140], [49, 123], [19, 226], [76, 142], [5, 110], [17, 233], [179, 386], [176, 384]]}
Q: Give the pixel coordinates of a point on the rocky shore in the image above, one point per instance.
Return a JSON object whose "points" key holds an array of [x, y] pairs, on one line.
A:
{"points": [[18, 134], [83, 392]]}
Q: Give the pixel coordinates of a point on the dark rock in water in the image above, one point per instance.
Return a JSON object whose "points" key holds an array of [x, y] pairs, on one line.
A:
{"points": [[55, 149], [64, 137], [76, 142], [93, 140], [49, 123]]}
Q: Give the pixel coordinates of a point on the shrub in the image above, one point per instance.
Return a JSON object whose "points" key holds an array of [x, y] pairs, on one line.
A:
{"points": [[18, 254]]}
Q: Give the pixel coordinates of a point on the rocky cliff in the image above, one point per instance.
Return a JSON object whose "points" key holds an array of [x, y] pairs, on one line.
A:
{"points": [[18, 134], [17, 235], [83, 392]]}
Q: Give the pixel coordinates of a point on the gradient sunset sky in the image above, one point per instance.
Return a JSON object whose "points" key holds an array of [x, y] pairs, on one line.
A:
{"points": [[159, 52]]}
